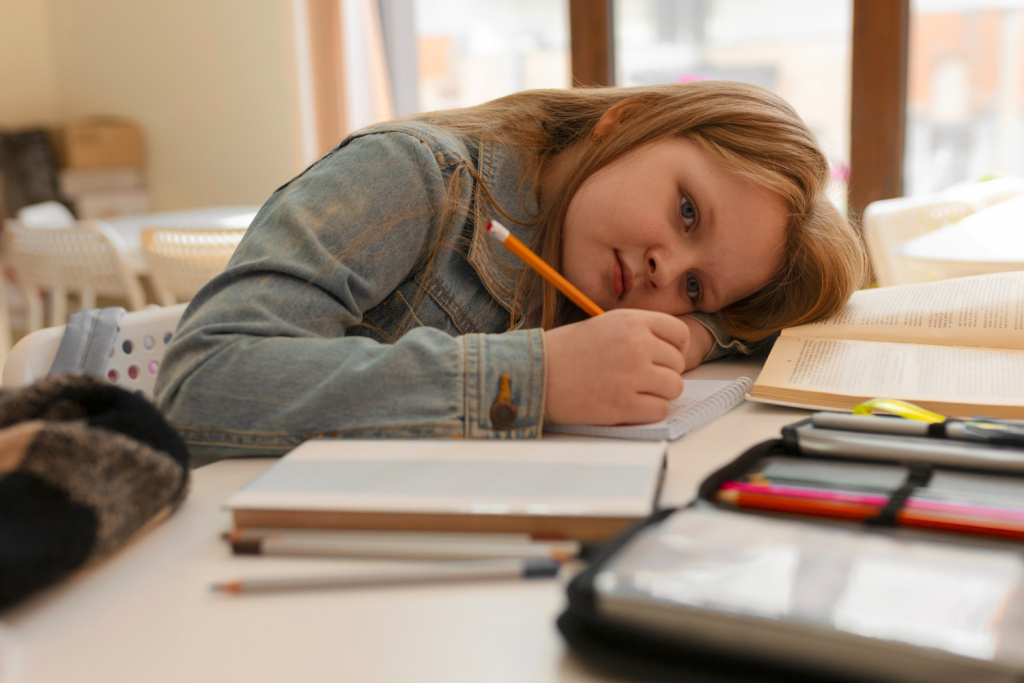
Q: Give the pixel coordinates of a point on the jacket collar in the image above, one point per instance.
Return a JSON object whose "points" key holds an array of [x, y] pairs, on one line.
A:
{"points": [[509, 179]]}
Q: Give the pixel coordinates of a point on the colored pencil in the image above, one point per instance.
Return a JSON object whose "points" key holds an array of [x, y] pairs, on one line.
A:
{"points": [[859, 512], [770, 502], [912, 503], [503, 236]]}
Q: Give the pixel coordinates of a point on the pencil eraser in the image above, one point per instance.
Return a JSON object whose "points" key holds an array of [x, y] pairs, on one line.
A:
{"points": [[498, 231]]}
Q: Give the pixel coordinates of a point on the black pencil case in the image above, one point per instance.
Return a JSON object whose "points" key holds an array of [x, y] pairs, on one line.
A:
{"points": [[823, 630]]}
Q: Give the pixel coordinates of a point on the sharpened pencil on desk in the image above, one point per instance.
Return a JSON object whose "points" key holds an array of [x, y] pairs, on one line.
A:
{"points": [[399, 547], [500, 233], [436, 572]]}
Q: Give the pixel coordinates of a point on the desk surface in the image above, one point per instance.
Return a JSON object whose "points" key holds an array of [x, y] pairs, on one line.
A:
{"points": [[146, 613], [130, 227]]}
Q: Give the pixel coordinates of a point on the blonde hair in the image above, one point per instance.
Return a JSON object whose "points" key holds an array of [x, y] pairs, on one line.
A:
{"points": [[750, 130]]}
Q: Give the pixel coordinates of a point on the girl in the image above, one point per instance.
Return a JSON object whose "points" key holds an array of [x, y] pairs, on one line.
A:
{"points": [[366, 299]]}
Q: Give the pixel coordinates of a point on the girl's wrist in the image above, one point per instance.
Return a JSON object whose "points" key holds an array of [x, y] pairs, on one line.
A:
{"points": [[700, 344]]}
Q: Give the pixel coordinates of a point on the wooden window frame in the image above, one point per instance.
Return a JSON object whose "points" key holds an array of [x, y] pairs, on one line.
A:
{"points": [[878, 86]]}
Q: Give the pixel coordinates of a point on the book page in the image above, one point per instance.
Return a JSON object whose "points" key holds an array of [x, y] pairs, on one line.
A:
{"points": [[844, 373], [983, 310]]}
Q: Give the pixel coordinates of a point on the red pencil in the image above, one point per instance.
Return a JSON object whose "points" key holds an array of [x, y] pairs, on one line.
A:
{"points": [[859, 512], [771, 502]]}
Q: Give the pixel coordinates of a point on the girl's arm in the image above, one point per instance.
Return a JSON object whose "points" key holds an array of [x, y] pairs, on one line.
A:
{"points": [[271, 352]]}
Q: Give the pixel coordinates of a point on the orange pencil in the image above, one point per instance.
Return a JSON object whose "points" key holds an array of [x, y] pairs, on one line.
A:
{"points": [[965, 524], [771, 502], [501, 233]]}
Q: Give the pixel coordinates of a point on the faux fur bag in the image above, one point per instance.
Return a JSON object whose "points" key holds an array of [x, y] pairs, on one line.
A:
{"points": [[83, 466]]}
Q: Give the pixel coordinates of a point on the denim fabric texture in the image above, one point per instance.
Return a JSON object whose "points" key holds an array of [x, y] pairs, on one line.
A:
{"points": [[340, 314]]}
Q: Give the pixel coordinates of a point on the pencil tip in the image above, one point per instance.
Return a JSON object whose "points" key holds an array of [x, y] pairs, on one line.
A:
{"points": [[228, 587], [727, 496]]}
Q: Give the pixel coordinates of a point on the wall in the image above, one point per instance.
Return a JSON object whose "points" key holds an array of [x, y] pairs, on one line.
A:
{"points": [[212, 84], [28, 94]]}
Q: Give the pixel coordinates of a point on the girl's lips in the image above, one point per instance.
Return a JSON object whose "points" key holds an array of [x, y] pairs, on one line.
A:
{"points": [[627, 279], [617, 282], [622, 278]]}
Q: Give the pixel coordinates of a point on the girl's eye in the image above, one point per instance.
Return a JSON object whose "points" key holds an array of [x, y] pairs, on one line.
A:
{"points": [[688, 211], [692, 287]]}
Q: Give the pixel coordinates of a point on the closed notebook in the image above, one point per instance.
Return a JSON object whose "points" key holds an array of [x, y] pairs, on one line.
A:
{"points": [[701, 402], [585, 490]]}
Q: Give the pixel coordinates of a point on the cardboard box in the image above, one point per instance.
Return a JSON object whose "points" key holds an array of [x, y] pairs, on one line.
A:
{"points": [[112, 203], [102, 143]]}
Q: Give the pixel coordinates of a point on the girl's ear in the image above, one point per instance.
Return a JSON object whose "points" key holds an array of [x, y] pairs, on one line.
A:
{"points": [[621, 112]]}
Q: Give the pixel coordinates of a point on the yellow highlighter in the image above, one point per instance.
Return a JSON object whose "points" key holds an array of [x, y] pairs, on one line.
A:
{"points": [[502, 235], [897, 407]]}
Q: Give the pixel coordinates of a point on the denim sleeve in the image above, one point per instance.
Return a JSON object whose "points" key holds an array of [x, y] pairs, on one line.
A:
{"points": [[724, 345], [265, 356]]}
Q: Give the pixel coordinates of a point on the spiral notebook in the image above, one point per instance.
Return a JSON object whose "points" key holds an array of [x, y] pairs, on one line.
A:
{"points": [[701, 402]]}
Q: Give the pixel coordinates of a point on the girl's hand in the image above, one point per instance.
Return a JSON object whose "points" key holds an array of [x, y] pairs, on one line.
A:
{"points": [[620, 367]]}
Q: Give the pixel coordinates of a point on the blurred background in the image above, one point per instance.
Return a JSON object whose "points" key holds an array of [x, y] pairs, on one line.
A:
{"points": [[138, 138], [231, 98]]}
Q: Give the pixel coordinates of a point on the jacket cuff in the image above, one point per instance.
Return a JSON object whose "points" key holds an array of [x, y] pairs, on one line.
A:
{"points": [[724, 345], [504, 380]]}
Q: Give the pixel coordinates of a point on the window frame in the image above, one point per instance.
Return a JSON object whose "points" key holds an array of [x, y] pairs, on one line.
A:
{"points": [[878, 86]]}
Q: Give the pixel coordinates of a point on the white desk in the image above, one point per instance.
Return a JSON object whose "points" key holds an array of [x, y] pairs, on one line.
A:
{"points": [[988, 241], [146, 613], [129, 228]]}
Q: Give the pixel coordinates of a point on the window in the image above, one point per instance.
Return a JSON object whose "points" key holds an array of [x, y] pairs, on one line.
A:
{"points": [[799, 49], [470, 52], [965, 93]]}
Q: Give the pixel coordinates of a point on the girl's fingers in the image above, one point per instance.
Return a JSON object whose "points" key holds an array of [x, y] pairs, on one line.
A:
{"points": [[664, 383], [649, 408], [670, 329], [668, 356]]}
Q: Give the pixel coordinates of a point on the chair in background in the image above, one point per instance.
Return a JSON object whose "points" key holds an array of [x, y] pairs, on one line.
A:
{"points": [[84, 260], [891, 222], [138, 351], [46, 215], [182, 260]]}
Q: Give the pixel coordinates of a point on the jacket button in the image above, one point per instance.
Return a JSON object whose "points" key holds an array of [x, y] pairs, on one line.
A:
{"points": [[503, 412]]}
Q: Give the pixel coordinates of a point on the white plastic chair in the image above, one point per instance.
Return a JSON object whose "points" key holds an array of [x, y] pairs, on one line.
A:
{"points": [[46, 215], [891, 222], [138, 351], [182, 260], [85, 260]]}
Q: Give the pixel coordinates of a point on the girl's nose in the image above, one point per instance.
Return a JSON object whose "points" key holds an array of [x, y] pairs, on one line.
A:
{"points": [[661, 271]]}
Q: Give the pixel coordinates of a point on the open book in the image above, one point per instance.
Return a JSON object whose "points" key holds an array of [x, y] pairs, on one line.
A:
{"points": [[952, 346], [701, 402], [573, 489]]}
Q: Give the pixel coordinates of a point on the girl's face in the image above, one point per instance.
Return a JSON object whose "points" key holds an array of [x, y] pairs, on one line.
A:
{"points": [[667, 228]]}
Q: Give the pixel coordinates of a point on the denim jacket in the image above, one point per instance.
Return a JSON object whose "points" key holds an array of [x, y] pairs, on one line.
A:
{"points": [[396, 338]]}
